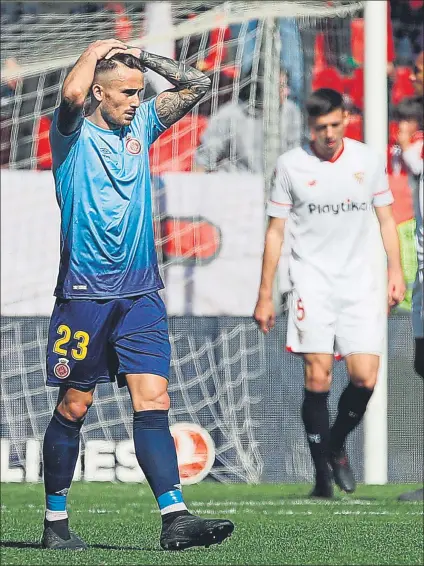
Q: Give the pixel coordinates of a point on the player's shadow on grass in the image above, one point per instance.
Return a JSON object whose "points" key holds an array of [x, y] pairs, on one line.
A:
{"points": [[22, 544]]}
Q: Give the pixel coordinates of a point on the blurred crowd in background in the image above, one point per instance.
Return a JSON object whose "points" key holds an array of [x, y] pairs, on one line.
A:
{"points": [[330, 54]]}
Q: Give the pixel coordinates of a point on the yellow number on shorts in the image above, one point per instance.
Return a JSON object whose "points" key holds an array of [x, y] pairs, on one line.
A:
{"points": [[83, 340], [65, 331]]}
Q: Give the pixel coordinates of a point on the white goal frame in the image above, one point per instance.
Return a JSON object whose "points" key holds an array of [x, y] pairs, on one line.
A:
{"points": [[375, 125]]}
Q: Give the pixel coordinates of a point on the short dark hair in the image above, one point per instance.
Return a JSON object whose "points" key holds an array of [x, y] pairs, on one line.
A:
{"points": [[323, 101], [104, 65], [409, 109]]}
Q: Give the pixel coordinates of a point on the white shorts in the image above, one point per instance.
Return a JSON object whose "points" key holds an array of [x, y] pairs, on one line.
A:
{"points": [[321, 323]]}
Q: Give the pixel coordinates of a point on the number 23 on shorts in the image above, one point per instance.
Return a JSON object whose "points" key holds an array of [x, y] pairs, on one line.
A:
{"points": [[80, 352]]}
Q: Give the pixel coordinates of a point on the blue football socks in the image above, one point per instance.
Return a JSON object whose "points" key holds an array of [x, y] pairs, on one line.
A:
{"points": [[60, 455], [157, 457]]}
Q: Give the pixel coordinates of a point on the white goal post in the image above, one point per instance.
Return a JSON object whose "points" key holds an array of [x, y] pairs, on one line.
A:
{"points": [[376, 127]]}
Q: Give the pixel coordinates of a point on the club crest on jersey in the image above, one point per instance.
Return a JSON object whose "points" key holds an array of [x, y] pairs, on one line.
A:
{"points": [[133, 145], [359, 177], [62, 369]]}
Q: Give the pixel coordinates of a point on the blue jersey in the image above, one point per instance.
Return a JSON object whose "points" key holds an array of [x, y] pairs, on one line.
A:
{"points": [[103, 189]]}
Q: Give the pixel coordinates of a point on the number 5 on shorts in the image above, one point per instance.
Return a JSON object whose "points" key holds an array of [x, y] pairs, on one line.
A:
{"points": [[80, 352], [300, 310]]}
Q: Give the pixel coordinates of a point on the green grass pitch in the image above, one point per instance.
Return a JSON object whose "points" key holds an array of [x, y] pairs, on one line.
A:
{"points": [[275, 525]]}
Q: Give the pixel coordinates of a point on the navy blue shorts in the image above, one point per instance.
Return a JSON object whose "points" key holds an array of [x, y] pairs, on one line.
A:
{"points": [[95, 341]]}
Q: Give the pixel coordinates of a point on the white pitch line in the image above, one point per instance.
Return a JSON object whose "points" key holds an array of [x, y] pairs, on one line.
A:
{"points": [[249, 510], [286, 502], [239, 508]]}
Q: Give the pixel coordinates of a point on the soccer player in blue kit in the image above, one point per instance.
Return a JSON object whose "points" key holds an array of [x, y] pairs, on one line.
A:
{"points": [[108, 320]]}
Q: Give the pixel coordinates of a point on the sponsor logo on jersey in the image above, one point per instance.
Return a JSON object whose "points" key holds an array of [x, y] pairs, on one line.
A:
{"points": [[346, 206], [312, 183], [195, 451], [359, 177], [314, 438], [133, 145], [62, 369]]}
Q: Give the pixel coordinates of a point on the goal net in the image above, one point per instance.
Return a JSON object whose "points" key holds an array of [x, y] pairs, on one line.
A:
{"points": [[263, 59], [211, 176]]}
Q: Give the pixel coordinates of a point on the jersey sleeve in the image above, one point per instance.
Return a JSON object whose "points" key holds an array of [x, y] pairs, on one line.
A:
{"points": [[382, 195], [151, 123], [281, 201], [62, 144]]}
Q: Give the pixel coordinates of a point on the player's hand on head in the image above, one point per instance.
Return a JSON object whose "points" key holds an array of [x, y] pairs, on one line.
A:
{"points": [[103, 47], [396, 288], [264, 315], [114, 51], [135, 51]]}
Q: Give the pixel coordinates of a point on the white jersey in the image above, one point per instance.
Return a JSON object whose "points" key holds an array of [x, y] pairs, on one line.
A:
{"points": [[331, 204]]}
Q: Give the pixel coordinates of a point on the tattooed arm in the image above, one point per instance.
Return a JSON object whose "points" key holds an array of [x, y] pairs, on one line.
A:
{"points": [[190, 85]]}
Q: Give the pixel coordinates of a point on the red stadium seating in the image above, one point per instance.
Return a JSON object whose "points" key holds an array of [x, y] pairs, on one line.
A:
{"points": [[42, 143], [354, 88], [354, 129], [403, 87], [357, 39], [183, 239], [393, 130], [174, 149], [319, 54], [328, 77], [217, 52], [123, 25]]}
